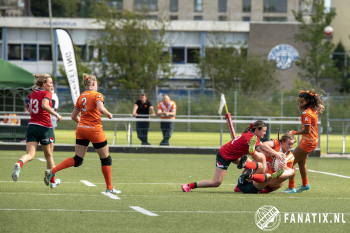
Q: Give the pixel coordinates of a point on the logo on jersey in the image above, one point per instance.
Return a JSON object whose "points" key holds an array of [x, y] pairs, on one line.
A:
{"points": [[284, 55], [99, 96], [306, 119]]}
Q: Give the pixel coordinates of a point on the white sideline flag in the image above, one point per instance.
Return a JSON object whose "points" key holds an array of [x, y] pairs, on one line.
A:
{"points": [[222, 103], [70, 64]]}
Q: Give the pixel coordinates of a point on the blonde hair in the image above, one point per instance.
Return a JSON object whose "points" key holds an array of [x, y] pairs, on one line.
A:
{"points": [[287, 136], [39, 80], [88, 79]]}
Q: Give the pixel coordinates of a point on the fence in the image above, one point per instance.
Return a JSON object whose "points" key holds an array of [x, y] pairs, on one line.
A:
{"points": [[198, 131], [337, 142]]}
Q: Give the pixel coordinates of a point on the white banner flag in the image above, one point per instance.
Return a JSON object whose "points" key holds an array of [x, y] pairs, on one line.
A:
{"points": [[70, 64], [222, 103]]}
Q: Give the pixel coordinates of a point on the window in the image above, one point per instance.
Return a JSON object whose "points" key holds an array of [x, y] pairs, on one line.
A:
{"points": [[192, 55], [246, 18], [275, 5], [222, 18], [29, 52], [81, 53], [0, 33], [14, 52], [117, 4], [174, 5], [275, 19], [246, 5], [91, 53], [198, 5], [174, 17], [178, 55], [152, 17], [222, 5], [45, 53], [150, 5], [198, 18]]}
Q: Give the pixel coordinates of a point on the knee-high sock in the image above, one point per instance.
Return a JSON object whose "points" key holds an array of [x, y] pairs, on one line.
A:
{"points": [[260, 178], [252, 165], [291, 184], [63, 165], [106, 170]]}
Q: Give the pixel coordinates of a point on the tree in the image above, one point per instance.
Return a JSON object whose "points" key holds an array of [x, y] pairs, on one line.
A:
{"points": [[316, 62], [60, 8], [132, 50], [341, 59], [230, 68]]}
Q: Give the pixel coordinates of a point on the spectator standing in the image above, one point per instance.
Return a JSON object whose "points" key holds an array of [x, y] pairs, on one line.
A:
{"points": [[55, 104], [166, 110], [142, 107]]}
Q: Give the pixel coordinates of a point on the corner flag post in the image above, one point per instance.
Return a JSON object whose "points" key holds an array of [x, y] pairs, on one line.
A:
{"points": [[227, 116]]}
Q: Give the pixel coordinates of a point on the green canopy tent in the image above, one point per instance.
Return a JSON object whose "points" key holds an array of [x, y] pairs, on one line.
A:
{"points": [[15, 84]]}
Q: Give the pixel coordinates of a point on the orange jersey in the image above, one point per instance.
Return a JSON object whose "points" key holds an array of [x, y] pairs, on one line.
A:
{"points": [[310, 117], [90, 115], [169, 108], [277, 146]]}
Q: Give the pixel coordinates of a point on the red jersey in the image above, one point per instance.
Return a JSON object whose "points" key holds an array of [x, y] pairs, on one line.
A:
{"points": [[90, 115], [310, 117], [237, 148], [38, 116]]}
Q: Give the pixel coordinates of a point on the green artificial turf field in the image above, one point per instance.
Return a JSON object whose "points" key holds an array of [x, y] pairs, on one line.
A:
{"points": [[152, 182]]}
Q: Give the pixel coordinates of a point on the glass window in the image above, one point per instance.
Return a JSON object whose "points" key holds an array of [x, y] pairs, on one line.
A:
{"points": [[14, 52], [246, 5], [59, 54], [198, 5], [174, 17], [275, 19], [152, 17], [222, 5], [29, 52], [45, 53], [275, 5], [246, 18], [198, 18], [0, 33], [91, 53], [178, 55], [117, 4], [222, 18], [174, 5], [81, 52], [150, 5], [192, 55]]}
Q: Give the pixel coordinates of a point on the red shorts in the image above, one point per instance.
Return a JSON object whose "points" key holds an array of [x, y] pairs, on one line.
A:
{"points": [[93, 135], [308, 147]]}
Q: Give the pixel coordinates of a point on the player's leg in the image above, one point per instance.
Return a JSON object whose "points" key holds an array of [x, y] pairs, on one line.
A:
{"points": [[145, 132], [102, 149], [303, 172], [278, 183], [48, 153], [163, 126], [31, 150]]}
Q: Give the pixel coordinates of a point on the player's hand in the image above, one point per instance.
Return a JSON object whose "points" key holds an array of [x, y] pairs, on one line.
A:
{"points": [[59, 117], [165, 113], [135, 114], [109, 115], [153, 114], [292, 132]]}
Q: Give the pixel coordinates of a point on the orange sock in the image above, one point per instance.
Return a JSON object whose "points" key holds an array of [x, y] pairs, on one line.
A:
{"points": [[106, 170], [305, 181], [291, 184], [63, 165], [260, 178], [252, 165]]}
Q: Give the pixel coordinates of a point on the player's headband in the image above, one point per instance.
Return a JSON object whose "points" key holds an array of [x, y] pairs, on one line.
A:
{"points": [[251, 126], [308, 92], [86, 78]]}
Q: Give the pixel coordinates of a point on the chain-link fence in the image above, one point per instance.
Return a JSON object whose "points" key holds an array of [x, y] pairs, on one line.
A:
{"points": [[338, 136]]}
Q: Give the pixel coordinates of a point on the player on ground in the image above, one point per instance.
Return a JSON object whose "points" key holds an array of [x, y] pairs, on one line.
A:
{"points": [[232, 152], [90, 105], [311, 104], [273, 149], [40, 127]]}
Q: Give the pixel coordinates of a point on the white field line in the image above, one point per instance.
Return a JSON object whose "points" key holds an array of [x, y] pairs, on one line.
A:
{"points": [[8, 181], [110, 195], [143, 211], [327, 173], [87, 183], [42, 160]]}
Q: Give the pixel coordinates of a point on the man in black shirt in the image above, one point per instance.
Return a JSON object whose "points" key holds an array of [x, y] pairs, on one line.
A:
{"points": [[142, 107]]}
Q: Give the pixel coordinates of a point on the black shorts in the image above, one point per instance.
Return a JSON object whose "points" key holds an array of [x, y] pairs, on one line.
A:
{"points": [[38, 133]]}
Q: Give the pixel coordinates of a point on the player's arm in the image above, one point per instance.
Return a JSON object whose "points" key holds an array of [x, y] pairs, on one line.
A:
{"points": [[152, 110], [266, 148], [171, 114], [134, 110], [75, 115], [103, 110], [160, 112], [306, 130], [45, 104]]}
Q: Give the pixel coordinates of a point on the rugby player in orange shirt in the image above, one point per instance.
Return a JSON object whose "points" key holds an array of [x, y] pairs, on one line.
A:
{"points": [[311, 104], [90, 105]]}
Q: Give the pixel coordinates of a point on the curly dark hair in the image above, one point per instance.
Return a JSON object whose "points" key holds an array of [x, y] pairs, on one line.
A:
{"points": [[313, 101]]}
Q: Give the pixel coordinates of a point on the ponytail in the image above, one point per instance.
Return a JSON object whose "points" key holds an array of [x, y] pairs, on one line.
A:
{"points": [[257, 125]]}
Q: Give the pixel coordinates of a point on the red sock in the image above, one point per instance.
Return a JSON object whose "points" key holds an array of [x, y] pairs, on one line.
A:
{"points": [[291, 184], [106, 170], [63, 165], [260, 178], [252, 165], [193, 185], [20, 163], [267, 189], [305, 181], [52, 180]]}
